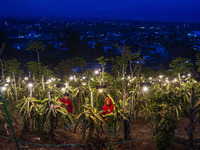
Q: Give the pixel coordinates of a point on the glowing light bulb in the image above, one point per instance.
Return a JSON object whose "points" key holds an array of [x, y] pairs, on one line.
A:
{"points": [[84, 84], [3, 89], [26, 78], [96, 72], [63, 89], [8, 79], [145, 88], [71, 78], [30, 85], [100, 90]]}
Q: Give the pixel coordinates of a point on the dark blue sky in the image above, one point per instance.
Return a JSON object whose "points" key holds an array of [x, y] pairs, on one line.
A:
{"points": [[164, 10]]}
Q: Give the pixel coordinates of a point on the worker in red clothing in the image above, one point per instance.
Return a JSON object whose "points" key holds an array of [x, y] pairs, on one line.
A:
{"points": [[68, 103], [108, 107]]}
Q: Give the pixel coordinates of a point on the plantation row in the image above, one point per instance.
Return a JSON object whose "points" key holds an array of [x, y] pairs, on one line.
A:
{"points": [[162, 98]]}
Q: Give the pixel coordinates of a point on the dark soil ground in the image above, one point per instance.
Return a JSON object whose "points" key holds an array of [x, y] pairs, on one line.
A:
{"points": [[140, 132]]}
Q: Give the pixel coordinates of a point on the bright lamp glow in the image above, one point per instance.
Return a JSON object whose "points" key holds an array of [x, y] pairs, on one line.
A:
{"points": [[30, 85], [3, 89], [25, 78], [96, 72], [71, 78], [145, 88], [63, 89], [8, 79], [83, 83], [161, 76], [100, 90]]}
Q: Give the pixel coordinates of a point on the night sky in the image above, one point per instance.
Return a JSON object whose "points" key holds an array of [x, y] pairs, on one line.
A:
{"points": [[153, 10]]}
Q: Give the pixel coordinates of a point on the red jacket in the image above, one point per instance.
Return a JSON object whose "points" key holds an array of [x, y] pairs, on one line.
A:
{"points": [[69, 104], [108, 109]]}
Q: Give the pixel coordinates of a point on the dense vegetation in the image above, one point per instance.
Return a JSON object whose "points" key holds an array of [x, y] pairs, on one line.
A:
{"points": [[136, 91]]}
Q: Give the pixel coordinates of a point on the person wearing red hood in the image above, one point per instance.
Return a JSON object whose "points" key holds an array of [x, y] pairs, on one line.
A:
{"points": [[68, 103], [108, 107]]}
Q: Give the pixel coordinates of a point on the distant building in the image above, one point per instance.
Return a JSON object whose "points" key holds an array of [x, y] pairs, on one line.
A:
{"points": [[194, 34], [32, 33], [91, 44]]}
